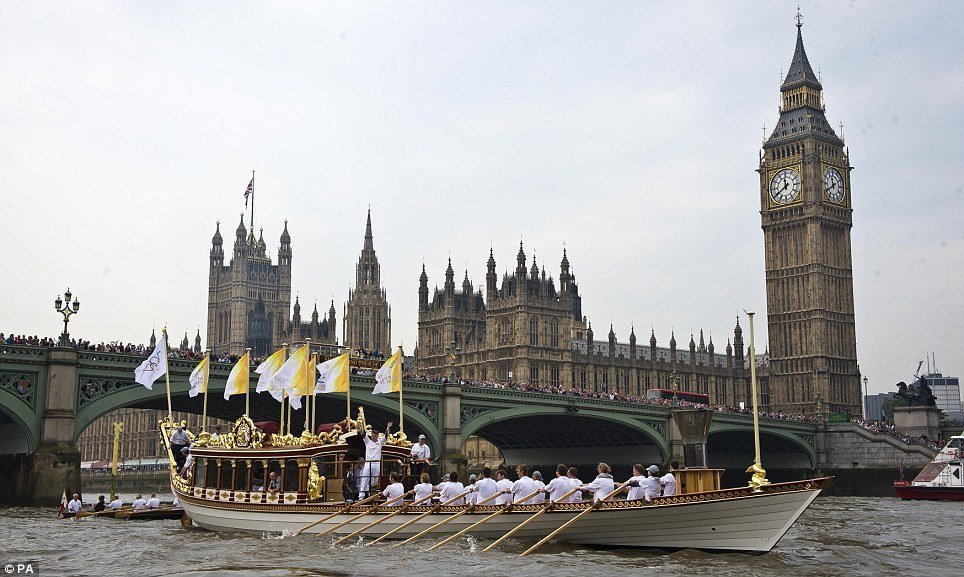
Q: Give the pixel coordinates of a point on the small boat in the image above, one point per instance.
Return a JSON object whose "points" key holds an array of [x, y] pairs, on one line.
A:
{"points": [[131, 514], [941, 480], [224, 490]]}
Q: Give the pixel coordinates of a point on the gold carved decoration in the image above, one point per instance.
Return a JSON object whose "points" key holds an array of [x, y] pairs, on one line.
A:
{"points": [[759, 478], [315, 482]]}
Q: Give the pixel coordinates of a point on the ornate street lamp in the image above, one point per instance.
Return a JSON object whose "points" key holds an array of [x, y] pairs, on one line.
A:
{"points": [[674, 382], [66, 308], [453, 353], [864, 404]]}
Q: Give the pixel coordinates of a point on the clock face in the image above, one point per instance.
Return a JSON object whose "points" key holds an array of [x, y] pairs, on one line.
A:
{"points": [[785, 186], [833, 185]]}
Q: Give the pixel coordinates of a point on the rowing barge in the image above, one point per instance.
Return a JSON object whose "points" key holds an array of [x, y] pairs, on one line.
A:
{"points": [[224, 489]]}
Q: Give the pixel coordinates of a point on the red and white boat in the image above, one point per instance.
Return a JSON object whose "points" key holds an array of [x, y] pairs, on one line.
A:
{"points": [[942, 479]]}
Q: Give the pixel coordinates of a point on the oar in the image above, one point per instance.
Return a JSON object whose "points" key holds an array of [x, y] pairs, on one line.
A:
{"points": [[468, 509], [335, 514], [508, 507], [573, 520], [425, 514], [362, 514], [530, 519], [385, 518]]}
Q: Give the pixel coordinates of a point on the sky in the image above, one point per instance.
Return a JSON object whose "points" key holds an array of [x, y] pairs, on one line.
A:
{"points": [[627, 132]]}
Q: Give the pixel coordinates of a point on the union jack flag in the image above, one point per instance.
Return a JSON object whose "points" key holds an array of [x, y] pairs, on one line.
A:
{"points": [[248, 191]]}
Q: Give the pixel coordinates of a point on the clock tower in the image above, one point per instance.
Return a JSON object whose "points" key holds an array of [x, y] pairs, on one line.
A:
{"points": [[805, 205]]}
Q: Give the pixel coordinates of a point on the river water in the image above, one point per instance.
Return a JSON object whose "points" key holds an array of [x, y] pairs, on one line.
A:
{"points": [[849, 536]]}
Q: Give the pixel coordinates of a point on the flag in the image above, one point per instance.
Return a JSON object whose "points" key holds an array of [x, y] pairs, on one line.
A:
{"points": [[238, 379], [290, 378], [154, 366], [267, 370], [63, 504], [199, 378], [333, 375], [388, 379], [249, 191]]}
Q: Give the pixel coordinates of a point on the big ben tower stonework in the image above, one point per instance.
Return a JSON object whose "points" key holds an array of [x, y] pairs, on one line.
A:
{"points": [[806, 212]]}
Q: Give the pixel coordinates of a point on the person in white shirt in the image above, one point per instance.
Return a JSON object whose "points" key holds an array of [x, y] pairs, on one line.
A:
{"points": [[425, 488], [188, 461], [540, 486], [650, 483], [602, 485], [153, 502], [75, 504], [450, 489], [217, 432], [559, 486], [373, 460], [116, 503], [523, 487], [635, 483], [668, 481], [573, 475], [421, 455], [485, 487], [394, 490], [471, 498], [139, 503], [504, 486]]}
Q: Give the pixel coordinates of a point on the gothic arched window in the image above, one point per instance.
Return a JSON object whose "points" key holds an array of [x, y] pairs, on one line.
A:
{"points": [[534, 331]]}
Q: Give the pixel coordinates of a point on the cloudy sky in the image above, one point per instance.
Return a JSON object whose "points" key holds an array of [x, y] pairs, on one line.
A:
{"points": [[628, 131]]}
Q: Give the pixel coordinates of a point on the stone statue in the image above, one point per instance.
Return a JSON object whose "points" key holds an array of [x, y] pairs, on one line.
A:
{"points": [[918, 395]]}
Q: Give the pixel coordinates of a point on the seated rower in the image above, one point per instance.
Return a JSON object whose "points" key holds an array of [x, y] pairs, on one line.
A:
{"points": [[115, 504], [573, 475], [522, 487], [101, 505], [139, 504], [450, 489], [394, 490], [602, 485], [75, 504], [153, 502], [635, 484], [558, 486], [504, 485], [472, 498], [485, 487], [651, 486], [540, 486], [425, 488], [668, 481]]}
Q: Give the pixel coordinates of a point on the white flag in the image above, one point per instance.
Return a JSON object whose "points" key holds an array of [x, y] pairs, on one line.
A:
{"points": [[292, 376], [199, 378], [154, 366]]}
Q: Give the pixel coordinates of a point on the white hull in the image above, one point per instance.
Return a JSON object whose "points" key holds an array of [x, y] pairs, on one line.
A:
{"points": [[719, 521]]}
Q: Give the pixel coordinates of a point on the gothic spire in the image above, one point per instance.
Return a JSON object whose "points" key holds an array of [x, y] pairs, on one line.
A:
{"points": [[800, 71], [369, 243], [217, 240]]}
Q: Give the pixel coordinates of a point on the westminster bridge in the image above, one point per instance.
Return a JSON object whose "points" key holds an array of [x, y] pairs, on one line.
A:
{"points": [[48, 396]]}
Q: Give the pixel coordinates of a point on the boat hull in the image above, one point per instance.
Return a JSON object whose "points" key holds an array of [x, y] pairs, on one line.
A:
{"points": [[908, 491], [729, 520]]}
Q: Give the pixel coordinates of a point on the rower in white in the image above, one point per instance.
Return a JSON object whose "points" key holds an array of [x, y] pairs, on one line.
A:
{"points": [[540, 486], [75, 504], [394, 490], [450, 489], [560, 485], [153, 502], [485, 487], [668, 481], [635, 483], [425, 488], [116, 503], [139, 504], [602, 485], [575, 481], [504, 485], [523, 486], [472, 498]]}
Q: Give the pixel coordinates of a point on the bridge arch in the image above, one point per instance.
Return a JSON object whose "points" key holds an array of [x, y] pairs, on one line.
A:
{"points": [[546, 435], [731, 446], [16, 434]]}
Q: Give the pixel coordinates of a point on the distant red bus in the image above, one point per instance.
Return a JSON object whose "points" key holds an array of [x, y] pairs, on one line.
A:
{"points": [[678, 395]]}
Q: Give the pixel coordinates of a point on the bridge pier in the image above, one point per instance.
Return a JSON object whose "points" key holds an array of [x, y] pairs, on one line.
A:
{"points": [[41, 477], [451, 457]]}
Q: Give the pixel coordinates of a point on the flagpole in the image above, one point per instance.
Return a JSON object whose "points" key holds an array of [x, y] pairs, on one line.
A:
{"points": [[206, 375], [252, 202], [314, 399], [167, 375], [247, 385], [281, 420], [401, 386], [307, 398], [348, 395]]}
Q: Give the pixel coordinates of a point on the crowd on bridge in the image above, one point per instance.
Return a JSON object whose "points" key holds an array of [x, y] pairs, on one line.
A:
{"points": [[885, 427]]}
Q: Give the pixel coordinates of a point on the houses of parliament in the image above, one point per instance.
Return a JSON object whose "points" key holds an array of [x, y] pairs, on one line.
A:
{"points": [[528, 329]]}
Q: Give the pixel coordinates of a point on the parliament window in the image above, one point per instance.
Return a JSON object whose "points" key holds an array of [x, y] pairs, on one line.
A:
{"points": [[534, 331]]}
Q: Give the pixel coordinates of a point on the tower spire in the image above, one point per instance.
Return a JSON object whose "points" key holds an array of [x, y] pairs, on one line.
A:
{"points": [[369, 242]]}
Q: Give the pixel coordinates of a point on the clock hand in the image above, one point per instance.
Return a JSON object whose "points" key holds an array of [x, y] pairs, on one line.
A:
{"points": [[786, 183]]}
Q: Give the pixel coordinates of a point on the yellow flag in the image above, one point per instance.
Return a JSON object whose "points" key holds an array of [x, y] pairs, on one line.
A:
{"points": [[291, 377], [199, 378], [238, 379], [388, 379], [268, 368], [333, 375]]}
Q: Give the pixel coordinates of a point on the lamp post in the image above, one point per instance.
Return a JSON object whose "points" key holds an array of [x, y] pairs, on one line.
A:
{"points": [[453, 352], [66, 308], [674, 382], [864, 404]]}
